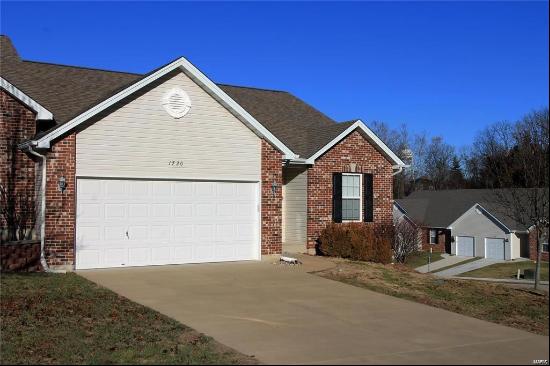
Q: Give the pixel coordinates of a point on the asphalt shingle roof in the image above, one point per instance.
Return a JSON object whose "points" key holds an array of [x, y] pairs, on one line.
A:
{"points": [[67, 91], [442, 208]]}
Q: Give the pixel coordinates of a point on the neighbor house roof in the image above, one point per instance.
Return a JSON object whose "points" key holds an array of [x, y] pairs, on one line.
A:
{"points": [[439, 209], [68, 91]]}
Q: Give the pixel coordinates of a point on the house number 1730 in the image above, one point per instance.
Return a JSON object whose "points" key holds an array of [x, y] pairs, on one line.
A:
{"points": [[175, 163]]}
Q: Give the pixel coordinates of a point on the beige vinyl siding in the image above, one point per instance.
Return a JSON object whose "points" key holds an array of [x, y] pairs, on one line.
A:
{"points": [[139, 139], [515, 241], [294, 206]]}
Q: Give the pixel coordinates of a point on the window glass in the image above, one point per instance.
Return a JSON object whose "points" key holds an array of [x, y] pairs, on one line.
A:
{"points": [[351, 197], [433, 236]]}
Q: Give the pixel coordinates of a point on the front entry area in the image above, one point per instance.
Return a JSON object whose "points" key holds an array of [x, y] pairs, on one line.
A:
{"points": [[135, 222]]}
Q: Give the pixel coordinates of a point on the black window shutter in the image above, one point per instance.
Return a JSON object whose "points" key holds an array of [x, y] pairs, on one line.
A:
{"points": [[337, 197], [368, 207]]}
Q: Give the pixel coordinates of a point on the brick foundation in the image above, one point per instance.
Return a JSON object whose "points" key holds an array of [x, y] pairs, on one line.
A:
{"points": [[272, 204], [353, 154], [20, 257]]}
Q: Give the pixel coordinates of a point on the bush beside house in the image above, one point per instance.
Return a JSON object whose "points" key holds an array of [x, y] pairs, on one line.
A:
{"points": [[357, 241]]}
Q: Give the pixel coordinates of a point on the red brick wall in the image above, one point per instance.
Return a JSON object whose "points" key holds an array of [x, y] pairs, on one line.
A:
{"points": [[60, 207], [443, 240], [533, 247], [353, 149], [272, 171], [17, 170], [20, 257]]}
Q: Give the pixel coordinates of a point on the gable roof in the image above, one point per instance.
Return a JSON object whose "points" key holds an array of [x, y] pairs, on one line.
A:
{"points": [[439, 209], [66, 91]]}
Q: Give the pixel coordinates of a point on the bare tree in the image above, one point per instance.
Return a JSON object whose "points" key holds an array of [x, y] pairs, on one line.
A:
{"points": [[17, 206], [521, 166], [437, 164], [406, 239]]}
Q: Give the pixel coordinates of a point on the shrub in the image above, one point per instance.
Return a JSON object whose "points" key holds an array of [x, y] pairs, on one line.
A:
{"points": [[357, 241]]}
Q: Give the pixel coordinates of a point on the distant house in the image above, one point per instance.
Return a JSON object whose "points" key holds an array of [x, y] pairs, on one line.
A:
{"points": [[468, 222]]}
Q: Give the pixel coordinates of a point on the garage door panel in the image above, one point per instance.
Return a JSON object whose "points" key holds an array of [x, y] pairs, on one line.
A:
{"points": [[495, 248], [465, 246], [134, 223]]}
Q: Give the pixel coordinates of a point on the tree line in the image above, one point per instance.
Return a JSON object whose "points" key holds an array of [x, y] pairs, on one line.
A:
{"points": [[502, 155]]}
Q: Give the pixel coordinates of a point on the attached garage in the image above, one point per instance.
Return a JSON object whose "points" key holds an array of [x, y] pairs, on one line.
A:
{"points": [[147, 222], [465, 246], [156, 188], [495, 248]]}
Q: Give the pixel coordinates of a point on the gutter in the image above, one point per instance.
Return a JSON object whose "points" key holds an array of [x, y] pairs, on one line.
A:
{"points": [[28, 147], [399, 169]]}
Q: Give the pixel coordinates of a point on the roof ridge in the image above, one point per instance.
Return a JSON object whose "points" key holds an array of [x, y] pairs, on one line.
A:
{"points": [[83, 67], [253, 87]]}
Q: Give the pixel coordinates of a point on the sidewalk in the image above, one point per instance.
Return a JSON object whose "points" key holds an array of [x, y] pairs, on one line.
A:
{"points": [[448, 260]]}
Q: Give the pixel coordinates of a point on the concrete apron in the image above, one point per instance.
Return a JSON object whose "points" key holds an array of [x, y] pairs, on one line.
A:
{"points": [[283, 315]]}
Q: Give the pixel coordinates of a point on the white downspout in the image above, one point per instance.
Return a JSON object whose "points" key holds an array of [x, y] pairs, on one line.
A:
{"points": [[43, 213], [399, 169]]}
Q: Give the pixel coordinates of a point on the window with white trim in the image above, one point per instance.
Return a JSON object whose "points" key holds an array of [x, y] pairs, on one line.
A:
{"points": [[433, 236], [351, 197], [545, 247]]}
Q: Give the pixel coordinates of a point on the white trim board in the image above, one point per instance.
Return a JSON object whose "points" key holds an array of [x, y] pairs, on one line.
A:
{"points": [[486, 212], [197, 76], [41, 112], [363, 127]]}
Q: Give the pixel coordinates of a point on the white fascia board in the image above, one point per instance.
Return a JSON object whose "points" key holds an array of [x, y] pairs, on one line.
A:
{"points": [[485, 211], [363, 127], [188, 68], [41, 112]]}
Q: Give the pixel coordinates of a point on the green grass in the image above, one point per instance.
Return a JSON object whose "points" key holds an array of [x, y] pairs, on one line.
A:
{"points": [[456, 264], [66, 319], [497, 303], [421, 258], [507, 270]]}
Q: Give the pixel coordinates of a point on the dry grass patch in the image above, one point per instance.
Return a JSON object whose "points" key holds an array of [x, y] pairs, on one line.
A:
{"points": [[496, 303], [66, 319]]}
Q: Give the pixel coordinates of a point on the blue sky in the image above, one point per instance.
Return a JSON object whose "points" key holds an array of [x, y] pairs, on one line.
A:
{"points": [[448, 68]]}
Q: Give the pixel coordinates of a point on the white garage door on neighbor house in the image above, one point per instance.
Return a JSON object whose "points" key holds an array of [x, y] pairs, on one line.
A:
{"points": [[495, 248], [465, 246], [123, 223]]}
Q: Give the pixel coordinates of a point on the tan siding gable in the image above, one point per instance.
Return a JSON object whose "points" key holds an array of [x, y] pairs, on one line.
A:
{"points": [[140, 139]]}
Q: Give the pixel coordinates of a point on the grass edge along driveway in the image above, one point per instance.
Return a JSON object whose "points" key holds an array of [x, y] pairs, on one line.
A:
{"points": [[66, 319], [497, 303]]}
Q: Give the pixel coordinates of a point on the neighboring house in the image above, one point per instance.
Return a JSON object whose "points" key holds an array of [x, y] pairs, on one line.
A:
{"points": [[468, 222], [169, 167]]}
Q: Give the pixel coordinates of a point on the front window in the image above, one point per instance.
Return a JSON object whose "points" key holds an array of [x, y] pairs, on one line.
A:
{"points": [[433, 236], [351, 197], [545, 247]]}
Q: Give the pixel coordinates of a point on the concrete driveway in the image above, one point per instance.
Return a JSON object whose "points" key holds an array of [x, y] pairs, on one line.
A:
{"points": [[283, 315]]}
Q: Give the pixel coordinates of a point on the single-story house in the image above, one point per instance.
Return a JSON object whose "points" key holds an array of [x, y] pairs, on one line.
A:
{"points": [[169, 167], [469, 222]]}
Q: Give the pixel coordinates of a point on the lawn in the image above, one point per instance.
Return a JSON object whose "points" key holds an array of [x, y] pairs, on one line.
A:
{"points": [[497, 303], [507, 270], [66, 319], [421, 258]]}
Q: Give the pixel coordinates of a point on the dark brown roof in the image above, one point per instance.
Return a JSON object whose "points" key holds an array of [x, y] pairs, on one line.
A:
{"points": [[439, 209], [67, 91]]}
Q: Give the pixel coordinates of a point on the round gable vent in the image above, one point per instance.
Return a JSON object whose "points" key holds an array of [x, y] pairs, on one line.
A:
{"points": [[176, 102]]}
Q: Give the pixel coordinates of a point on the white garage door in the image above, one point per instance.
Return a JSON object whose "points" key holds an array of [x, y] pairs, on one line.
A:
{"points": [[494, 248], [139, 223], [465, 246]]}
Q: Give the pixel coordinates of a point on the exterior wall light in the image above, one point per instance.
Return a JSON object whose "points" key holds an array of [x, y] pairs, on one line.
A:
{"points": [[274, 188], [62, 184]]}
